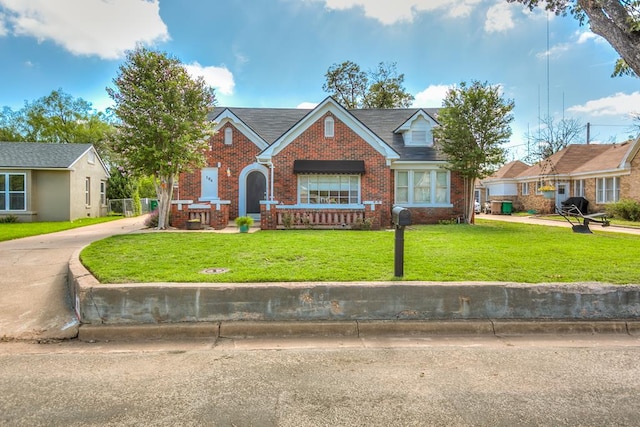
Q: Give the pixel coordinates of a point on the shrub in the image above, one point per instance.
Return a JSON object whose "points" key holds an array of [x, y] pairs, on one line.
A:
{"points": [[9, 219], [152, 220], [625, 209]]}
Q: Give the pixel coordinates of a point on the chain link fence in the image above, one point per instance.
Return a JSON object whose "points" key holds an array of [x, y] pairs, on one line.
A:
{"points": [[126, 207]]}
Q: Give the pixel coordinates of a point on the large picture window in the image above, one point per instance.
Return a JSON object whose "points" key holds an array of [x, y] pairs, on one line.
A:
{"points": [[607, 190], [329, 189], [13, 190], [422, 187]]}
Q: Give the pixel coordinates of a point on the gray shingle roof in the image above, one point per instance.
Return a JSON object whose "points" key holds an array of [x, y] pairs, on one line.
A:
{"points": [[36, 155], [271, 123]]}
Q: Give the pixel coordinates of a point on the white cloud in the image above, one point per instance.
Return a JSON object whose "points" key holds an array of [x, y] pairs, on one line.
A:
{"points": [[219, 78], [88, 27], [391, 12], [499, 18], [3, 28], [431, 97], [554, 51], [621, 104], [307, 105]]}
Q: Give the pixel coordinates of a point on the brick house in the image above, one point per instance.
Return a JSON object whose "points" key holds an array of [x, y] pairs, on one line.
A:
{"points": [[326, 167], [601, 173]]}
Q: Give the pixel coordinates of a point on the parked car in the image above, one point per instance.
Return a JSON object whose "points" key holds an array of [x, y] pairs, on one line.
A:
{"points": [[476, 207]]}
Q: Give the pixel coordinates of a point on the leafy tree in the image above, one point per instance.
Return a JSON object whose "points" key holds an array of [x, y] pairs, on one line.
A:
{"points": [[617, 21], [57, 117], [474, 123], [10, 125], [354, 88], [120, 185], [162, 127], [347, 83], [387, 91], [552, 137]]}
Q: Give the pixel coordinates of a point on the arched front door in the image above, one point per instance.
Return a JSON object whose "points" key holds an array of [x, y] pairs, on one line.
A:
{"points": [[256, 191]]}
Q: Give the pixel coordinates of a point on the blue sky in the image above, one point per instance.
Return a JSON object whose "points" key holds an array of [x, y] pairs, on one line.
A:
{"points": [[275, 53]]}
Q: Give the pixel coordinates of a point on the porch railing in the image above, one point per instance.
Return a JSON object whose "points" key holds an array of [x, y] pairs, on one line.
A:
{"points": [[315, 218]]}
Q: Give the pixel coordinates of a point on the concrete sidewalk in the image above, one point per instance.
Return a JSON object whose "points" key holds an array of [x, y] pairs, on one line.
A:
{"points": [[33, 280]]}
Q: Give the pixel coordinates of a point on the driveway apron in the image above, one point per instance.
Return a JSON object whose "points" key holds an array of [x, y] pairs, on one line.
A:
{"points": [[34, 300]]}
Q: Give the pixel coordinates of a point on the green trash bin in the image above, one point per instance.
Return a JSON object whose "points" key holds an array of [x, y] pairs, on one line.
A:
{"points": [[153, 205], [507, 207]]}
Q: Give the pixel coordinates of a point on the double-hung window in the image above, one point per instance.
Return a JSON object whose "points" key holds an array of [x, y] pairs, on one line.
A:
{"points": [[13, 191], [525, 188], [607, 190], [324, 189], [422, 187]]}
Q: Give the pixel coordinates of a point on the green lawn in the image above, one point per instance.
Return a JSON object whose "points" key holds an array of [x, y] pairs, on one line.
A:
{"points": [[25, 229], [488, 251]]}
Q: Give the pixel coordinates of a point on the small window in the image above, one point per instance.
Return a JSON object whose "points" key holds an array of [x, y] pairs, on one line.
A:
{"points": [[228, 135], [419, 137], [87, 191], [525, 188], [578, 188], [329, 125], [103, 193], [91, 157]]}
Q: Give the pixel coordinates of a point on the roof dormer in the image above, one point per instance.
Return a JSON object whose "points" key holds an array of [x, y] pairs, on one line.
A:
{"points": [[416, 132]]}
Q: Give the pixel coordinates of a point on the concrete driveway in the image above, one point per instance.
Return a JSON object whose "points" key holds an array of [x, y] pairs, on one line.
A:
{"points": [[33, 280]]}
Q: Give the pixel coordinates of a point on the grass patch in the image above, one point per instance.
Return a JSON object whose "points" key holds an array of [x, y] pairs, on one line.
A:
{"points": [[488, 251], [25, 229]]}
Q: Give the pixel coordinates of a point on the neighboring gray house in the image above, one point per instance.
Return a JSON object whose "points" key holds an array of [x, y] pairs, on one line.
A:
{"points": [[51, 182]]}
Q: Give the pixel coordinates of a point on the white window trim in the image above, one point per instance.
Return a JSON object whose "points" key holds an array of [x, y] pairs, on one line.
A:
{"points": [[7, 193], [87, 192], [228, 135], [420, 124], [601, 190], [410, 202], [103, 193], [329, 127], [578, 188], [330, 205], [525, 188]]}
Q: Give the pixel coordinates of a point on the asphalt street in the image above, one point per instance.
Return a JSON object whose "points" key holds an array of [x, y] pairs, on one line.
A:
{"points": [[586, 380]]}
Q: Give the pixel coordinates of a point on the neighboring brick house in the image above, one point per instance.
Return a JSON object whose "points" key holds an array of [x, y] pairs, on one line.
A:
{"points": [[51, 182], [601, 173], [327, 167]]}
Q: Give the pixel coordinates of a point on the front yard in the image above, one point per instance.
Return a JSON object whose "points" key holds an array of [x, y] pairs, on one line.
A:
{"points": [[488, 251]]}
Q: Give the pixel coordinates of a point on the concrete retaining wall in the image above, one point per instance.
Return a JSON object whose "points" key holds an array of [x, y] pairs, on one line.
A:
{"points": [[206, 302]]}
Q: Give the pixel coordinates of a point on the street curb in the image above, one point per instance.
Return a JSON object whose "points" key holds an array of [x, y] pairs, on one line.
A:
{"points": [[202, 330], [353, 329]]}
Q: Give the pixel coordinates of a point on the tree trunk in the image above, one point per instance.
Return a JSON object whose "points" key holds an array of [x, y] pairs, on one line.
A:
{"points": [[609, 19], [469, 200], [164, 188]]}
